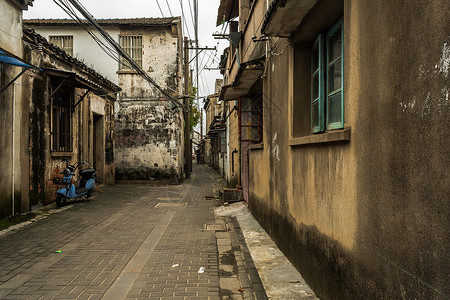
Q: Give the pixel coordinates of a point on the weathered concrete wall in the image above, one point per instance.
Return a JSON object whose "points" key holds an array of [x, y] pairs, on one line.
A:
{"points": [[233, 165], [147, 141], [92, 127], [149, 134], [12, 161], [365, 218]]}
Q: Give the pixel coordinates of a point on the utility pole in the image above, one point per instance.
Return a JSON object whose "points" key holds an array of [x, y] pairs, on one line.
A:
{"points": [[196, 57], [186, 113]]}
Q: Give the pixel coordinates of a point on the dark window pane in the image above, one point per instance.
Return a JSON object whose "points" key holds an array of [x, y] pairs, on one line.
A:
{"points": [[334, 46], [315, 87], [334, 108], [245, 118], [315, 59], [246, 104], [334, 77], [255, 119], [315, 114], [255, 133]]}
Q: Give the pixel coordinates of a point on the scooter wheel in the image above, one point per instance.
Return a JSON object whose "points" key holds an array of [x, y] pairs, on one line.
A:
{"points": [[60, 200]]}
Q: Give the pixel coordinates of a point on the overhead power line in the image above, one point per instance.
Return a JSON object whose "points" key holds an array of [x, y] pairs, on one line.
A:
{"points": [[184, 19], [168, 6], [109, 51], [117, 47], [162, 14]]}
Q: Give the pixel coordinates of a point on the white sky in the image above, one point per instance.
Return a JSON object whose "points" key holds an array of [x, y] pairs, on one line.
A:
{"points": [[104, 9]]}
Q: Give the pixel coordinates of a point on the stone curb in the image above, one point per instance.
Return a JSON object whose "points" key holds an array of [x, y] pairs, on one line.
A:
{"points": [[279, 277]]}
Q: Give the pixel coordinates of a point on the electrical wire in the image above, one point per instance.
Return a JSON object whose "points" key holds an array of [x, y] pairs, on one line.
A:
{"points": [[117, 47], [190, 8], [65, 6], [157, 2], [168, 6], [184, 19]]}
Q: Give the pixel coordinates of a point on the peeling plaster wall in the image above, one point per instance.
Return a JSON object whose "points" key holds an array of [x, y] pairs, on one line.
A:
{"points": [[46, 165], [149, 134], [147, 142]]}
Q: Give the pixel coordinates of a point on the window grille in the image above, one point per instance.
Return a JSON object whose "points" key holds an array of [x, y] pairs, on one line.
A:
{"points": [[62, 108], [64, 42], [132, 45], [250, 119]]}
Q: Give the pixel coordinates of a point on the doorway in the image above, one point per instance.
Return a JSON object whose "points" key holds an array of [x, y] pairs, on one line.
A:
{"points": [[99, 147]]}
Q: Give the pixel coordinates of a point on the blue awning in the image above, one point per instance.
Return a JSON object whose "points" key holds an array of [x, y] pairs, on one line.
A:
{"points": [[8, 58]]}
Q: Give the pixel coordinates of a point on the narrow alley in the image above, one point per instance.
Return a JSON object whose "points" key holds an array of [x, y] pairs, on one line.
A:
{"points": [[129, 242]]}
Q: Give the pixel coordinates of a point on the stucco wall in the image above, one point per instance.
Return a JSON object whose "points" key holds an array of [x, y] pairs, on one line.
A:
{"points": [[149, 133], [366, 218], [233, 167], [10, 40], [86, 49]]}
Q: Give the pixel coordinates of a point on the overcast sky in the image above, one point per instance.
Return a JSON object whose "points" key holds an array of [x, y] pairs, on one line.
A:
{"points": [[102, 9]]}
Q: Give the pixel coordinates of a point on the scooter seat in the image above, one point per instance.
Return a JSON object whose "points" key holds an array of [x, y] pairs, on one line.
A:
{"points": [[81, 190], [87, 173]]}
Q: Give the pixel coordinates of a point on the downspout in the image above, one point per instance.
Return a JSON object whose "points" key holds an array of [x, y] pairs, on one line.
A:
{"points": [[13, 140]]}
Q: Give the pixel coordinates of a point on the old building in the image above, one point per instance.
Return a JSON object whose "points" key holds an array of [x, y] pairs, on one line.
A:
{"points": [[71, 115], [13, 124], [222, 146], [344, 125], [148, 131]]}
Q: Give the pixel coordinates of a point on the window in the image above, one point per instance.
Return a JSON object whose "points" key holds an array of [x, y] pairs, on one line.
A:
{"points": [[250, 119], [62, 108], [223, 141], [64, 42], [132, 45], [327, 97]]}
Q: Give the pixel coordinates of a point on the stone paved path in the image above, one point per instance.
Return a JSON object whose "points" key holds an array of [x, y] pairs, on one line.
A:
{"points": [[129, 242]]}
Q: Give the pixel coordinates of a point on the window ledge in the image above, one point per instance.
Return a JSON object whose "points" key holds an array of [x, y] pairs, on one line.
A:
{"points": [[126, 72], [326, 137], [256, 146], [61, 154]]}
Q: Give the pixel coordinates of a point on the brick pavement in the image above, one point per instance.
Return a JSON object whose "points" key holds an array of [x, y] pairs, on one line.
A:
{"points": [[119, 245]]}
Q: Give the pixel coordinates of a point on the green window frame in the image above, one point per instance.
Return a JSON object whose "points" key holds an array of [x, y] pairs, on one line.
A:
{"points": [[327, 80]]}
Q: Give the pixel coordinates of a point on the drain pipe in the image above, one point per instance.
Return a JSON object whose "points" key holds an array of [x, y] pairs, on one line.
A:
{"points": [[13, 140]]}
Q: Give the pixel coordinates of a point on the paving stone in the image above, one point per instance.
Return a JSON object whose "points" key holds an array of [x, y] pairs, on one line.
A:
{"points": [[98, 239]]}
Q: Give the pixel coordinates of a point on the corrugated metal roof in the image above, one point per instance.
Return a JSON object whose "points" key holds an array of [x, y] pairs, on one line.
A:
{"points": [[104, 22]]}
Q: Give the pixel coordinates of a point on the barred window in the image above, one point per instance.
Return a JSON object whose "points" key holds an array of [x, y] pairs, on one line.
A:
{"points": [[62, 108], [132, 45], [64, 42]]}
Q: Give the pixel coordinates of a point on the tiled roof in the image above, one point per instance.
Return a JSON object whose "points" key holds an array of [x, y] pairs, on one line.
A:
{"points": [[31, 36], [114, 22]]}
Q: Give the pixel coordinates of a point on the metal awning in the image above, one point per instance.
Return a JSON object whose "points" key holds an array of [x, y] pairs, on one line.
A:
{"points": [[247, 75], [228, 9], [283, 17], [11, 59]]}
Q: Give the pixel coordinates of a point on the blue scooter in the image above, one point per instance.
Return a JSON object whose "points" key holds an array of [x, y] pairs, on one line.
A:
{"points": [[68, 190]]}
